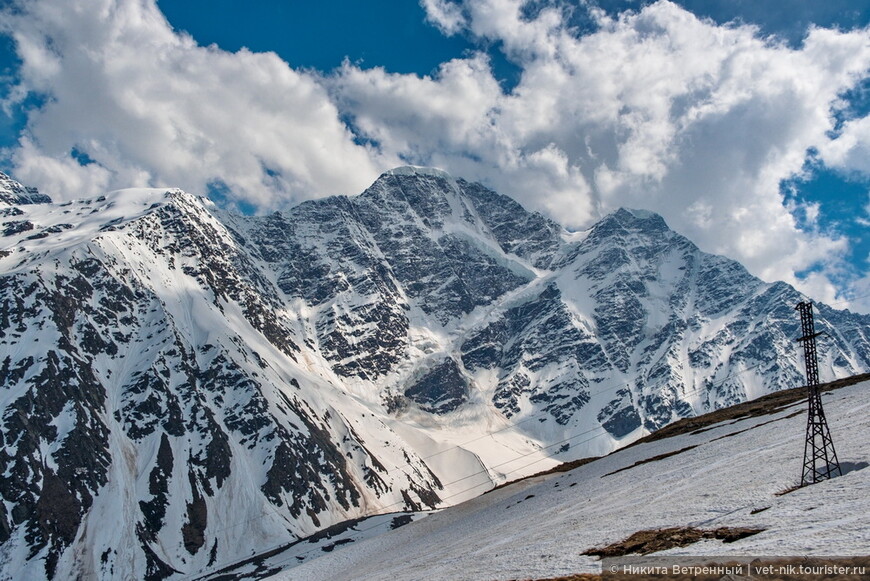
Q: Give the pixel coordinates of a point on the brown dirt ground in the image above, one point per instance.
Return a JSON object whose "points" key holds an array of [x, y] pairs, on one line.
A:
{"points": [[654, 540]]}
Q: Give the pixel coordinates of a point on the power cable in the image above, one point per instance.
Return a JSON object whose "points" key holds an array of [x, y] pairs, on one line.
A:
{"points": [[485, 470]]}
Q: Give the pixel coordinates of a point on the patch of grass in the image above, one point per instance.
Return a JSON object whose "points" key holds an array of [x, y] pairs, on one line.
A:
{"points": [[652, 459], [654, 540], [788, 490], [563, 467], [791, 415]]}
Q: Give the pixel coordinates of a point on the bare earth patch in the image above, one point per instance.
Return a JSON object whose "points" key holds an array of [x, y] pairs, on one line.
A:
{"points": [[653, 540], [653, 459]]}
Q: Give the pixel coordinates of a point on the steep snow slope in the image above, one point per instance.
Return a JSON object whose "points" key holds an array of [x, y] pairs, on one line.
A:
{"points": [[156, 413], [719, 476]]}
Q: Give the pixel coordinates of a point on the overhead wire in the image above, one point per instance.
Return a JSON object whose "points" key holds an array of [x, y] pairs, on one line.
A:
{"points": [[486, 470], [301, 556], [847, 301]]}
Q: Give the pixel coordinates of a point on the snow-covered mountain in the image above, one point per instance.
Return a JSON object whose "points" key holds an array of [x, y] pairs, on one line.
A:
{"points": [[183, 387]]}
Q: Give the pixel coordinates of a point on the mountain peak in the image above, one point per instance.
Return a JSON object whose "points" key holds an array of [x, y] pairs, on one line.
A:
{"points": [[13, 192], [634, 220], [414, 170], [414, 187], [640, 214]]}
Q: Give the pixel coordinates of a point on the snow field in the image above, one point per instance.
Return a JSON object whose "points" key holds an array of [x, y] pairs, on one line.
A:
{"points": [[539, 527]]}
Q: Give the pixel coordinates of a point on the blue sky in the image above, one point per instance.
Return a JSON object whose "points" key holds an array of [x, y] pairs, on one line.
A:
{"points": [[743, 122], [396, 35], [321, 35]]}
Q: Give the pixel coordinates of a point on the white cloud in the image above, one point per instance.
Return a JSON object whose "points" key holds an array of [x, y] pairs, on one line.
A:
{"points": [[850, 151], [856, 294], [401, 112], [862, 303], [61, 173], [445, 15], [154, 108]]}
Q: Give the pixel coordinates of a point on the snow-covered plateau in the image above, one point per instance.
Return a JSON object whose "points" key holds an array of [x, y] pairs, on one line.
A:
{"points": [[183, 388]]}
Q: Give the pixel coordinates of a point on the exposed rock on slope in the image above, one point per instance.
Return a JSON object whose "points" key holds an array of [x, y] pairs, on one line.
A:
{"points": [[183, 387]]}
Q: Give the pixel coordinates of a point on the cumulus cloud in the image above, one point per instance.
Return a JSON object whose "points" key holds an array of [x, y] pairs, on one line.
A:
{"points": [[860, 291], [151, 107], [445, 15], [850, 151]]}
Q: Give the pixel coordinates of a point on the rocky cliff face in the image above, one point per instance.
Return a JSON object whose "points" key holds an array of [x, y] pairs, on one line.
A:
{"points": [[182, 388]]}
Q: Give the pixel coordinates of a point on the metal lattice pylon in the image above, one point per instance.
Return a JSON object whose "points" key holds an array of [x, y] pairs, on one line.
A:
{"points": [[820, 458]]}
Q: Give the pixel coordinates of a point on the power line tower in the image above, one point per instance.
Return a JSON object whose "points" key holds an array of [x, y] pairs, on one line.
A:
{"points": [[820, 458]]}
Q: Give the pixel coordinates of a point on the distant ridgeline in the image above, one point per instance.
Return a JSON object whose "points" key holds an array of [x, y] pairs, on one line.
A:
{"points": [[183, 387]]}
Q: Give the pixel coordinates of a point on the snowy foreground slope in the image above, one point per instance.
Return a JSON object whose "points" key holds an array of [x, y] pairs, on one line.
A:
{"points": [[182, 388], [540, 527]]}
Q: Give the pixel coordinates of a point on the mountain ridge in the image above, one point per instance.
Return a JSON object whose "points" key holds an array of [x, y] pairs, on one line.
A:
{"points": [[398, 350]]}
